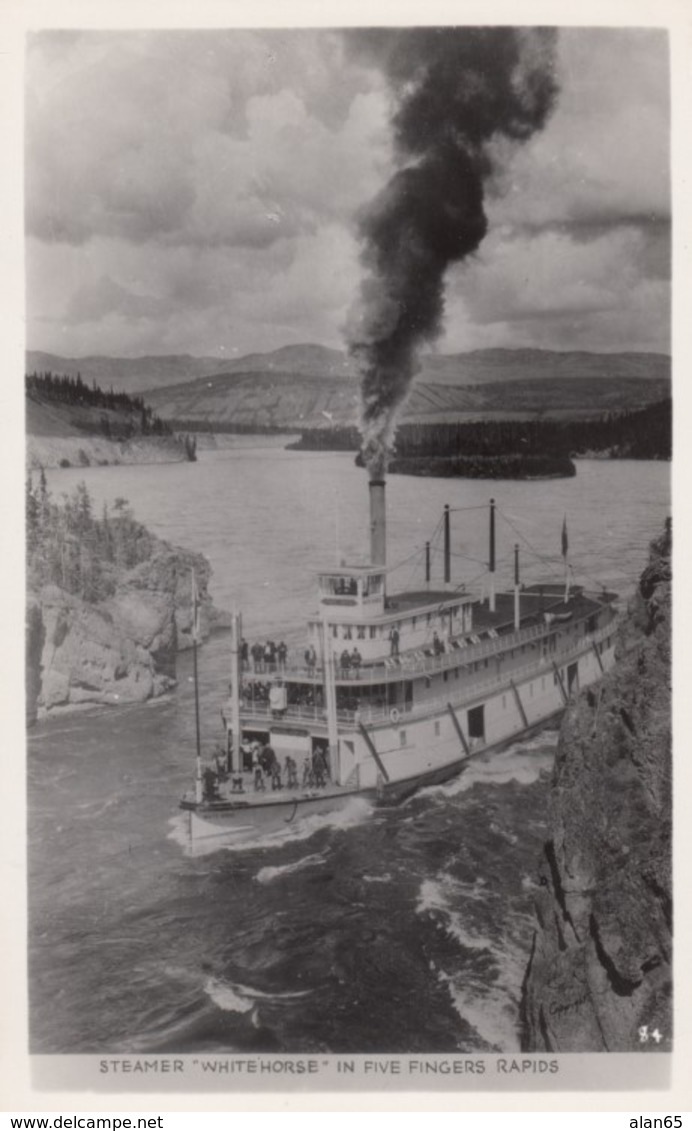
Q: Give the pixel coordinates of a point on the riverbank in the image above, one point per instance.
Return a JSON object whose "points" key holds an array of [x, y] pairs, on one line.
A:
{"points": [[97, 451]]}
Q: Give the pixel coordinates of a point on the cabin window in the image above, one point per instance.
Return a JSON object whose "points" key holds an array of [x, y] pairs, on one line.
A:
{"points": [[413, 622], [373, 631], [429, 618], [445, 676], [361, 632], [437, 730], [476, 722], [347, 632], [372, 586], [485, 663], [402, 738], [335, 631]]}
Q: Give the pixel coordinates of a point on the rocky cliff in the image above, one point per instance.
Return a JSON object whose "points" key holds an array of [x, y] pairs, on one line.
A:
{"points": [[120, 650], [599, 976]]}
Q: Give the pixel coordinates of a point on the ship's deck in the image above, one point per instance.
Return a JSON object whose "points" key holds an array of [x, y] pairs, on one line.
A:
{"points": [[492, 633]]}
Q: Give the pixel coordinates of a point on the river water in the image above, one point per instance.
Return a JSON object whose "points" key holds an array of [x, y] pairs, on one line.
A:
{"points": [[376, 930]]}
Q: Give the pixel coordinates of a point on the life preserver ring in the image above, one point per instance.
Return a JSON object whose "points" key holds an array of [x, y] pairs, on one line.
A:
{"points": [[394, 715]]}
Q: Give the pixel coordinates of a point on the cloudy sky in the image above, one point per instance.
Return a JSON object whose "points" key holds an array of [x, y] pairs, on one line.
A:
{"points": [[196, 192]]}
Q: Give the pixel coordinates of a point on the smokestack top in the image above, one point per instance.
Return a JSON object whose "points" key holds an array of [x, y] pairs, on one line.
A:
{"points": [[378, 523]]}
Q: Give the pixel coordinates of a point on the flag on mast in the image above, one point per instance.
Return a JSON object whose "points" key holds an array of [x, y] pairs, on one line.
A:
{"points": [[196, 627], [565, 540]]}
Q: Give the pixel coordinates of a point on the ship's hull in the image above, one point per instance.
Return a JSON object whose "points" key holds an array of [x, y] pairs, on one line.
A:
{"points": [[254, 819]]}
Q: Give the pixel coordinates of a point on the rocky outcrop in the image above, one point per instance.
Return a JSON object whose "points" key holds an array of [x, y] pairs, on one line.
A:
{"points": [[121, 650], [599, 976]]}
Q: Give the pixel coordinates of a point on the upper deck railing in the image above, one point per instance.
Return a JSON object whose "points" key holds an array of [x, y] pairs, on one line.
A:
{"points": [[419, 661], [469, 689]]}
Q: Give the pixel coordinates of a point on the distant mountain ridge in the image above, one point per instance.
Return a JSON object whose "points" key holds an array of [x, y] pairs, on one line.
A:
{"points": [[311, 385], [155, 371]]}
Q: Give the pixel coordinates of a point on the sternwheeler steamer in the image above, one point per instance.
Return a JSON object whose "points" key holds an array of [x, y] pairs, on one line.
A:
{"points": [[394, 690]]}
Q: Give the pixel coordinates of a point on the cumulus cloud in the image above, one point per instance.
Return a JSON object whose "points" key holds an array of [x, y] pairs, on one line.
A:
{"points": [[197, 192]]}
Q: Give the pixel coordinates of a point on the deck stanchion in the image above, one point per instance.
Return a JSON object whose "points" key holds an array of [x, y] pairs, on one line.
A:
{"points": [[371, 747], [460, 733], [565, 696], [520, 705]]}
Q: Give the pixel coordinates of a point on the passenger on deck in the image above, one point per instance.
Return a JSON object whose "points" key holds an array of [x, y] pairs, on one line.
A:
{"points": [[308, 778], [276, 775], [259, 778], [394, 640], [246, 754], [356, 659], [319, 767], [291, 773], [281, 654], [211, 785], [345, 660], [221, 763], [267, 759], [244, 652], [438, 646], [257, 653], [310, 656]]}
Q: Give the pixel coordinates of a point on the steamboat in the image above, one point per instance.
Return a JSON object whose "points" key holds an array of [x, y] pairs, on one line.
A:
{"points": [[394, 691]]}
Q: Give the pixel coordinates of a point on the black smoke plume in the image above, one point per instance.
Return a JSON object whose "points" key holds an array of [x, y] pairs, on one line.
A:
{"points": [[456, 91]]}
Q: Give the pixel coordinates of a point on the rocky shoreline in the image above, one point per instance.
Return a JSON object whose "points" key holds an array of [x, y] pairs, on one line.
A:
{"points": [[121, 650], [600, 972]]}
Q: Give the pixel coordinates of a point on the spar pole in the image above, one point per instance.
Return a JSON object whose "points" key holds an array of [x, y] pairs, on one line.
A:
{"points": [[517, 617], [195, 636], [491, 561]]}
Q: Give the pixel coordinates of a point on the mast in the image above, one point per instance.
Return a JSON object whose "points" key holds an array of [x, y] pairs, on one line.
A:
{"points": [[236, 678], [427, 565], [517, 617], [195, 638], [330, 703], [491, 562], [448, 571]]}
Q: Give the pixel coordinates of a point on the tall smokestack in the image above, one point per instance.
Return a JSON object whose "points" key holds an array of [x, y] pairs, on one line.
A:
{"points": [[378, 523]]}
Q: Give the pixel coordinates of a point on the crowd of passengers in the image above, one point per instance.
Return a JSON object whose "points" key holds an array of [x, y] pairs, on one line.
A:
{"points": [[260, 760], [263, 657], [256, 693], [297, 695], [271, 657]]}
